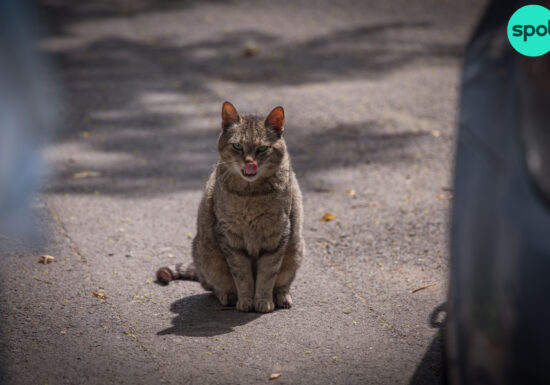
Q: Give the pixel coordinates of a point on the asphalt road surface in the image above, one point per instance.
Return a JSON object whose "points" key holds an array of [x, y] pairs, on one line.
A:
{"points": [[370, 92]]}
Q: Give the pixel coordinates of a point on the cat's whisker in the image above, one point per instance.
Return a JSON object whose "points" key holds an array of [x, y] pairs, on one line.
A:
{"points": [[226, 162], [226, 175]]}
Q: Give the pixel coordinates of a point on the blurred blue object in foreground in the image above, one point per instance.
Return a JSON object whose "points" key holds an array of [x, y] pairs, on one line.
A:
{"points": [[497, 331], [26, 114]]}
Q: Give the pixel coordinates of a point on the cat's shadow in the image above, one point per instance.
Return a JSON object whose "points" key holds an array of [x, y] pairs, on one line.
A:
{"points": [[197, 317]]}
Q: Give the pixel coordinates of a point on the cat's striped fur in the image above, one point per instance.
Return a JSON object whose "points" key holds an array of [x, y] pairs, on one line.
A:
{"points": [[249, 228]]}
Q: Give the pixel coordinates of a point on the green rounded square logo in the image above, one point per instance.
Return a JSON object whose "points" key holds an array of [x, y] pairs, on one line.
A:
{"points": [[529, 30]]}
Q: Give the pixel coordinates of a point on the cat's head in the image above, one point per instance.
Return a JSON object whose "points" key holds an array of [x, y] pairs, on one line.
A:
{"points": [[251, 146]]}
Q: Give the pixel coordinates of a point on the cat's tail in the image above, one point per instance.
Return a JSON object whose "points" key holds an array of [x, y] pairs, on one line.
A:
{"points": [[177, 271]]}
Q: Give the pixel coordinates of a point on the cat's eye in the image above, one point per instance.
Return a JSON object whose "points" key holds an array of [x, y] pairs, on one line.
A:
{"points": [[262, 149], [237, 146]]}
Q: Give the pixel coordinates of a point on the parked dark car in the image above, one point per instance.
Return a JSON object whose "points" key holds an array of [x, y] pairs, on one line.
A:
{"points": [[498, 329]]}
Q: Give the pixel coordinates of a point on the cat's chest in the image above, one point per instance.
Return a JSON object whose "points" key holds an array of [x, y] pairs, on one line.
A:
{"points": [[253, 223]]}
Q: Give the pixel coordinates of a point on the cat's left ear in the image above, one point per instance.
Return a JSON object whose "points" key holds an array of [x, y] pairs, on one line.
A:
{"points": [[276, 119]]}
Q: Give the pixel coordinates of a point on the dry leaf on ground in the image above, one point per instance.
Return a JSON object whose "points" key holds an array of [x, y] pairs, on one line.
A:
{"points": [[250, 49], [45, 259], [86, 174], [327, 217], [423, 287], [274, 376], [41, 280], [99, 295]]}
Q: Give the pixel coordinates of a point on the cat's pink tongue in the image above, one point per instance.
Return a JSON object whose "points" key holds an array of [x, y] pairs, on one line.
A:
{"points": [[250, 168]]}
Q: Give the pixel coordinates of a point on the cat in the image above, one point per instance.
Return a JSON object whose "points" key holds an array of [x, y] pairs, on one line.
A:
{"points": [[249, 241]]}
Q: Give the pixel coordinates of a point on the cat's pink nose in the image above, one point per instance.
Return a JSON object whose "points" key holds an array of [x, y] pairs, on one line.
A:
{"points": [[250, 168]]}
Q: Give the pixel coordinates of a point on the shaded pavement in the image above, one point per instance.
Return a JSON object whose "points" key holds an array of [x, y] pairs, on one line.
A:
{"points": [[370, 92]]}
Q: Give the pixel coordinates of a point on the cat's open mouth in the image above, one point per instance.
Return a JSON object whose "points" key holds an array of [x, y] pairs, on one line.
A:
{"points": [[248, 175], [250, 169]]}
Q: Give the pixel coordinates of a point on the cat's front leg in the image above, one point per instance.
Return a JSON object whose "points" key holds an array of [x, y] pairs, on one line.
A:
{"points": [[268, 268], [240, 267]]}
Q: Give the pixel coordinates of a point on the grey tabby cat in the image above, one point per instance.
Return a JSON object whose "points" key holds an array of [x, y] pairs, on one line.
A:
{"points": [[249, 229]]}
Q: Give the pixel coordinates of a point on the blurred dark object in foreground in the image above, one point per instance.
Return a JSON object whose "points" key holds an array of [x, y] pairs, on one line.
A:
{"points": [[497, 331], [26, 114]]}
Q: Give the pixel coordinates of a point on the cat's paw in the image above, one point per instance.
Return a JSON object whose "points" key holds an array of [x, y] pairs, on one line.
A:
{"points": [[226, 299], [164, 275], [245, 304], [284, 300], [263, 305], [231, 299]]}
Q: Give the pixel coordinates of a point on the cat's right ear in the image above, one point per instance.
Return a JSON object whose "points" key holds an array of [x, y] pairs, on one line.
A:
{"points": [[230, 115]]}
